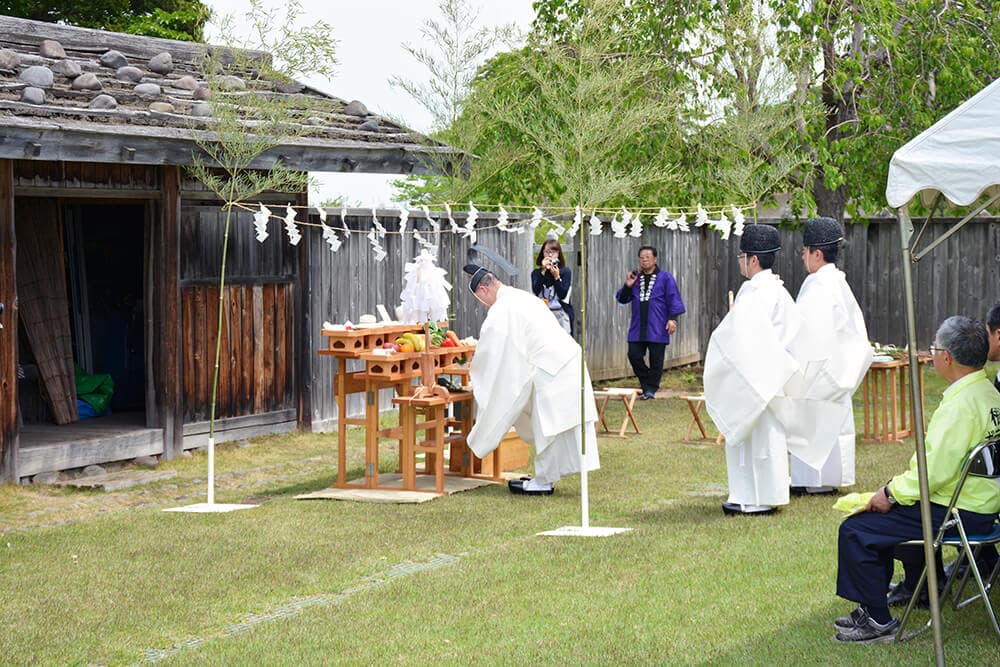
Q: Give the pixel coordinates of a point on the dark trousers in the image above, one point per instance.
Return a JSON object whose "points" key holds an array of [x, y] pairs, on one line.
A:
{"points": [[649, 376], [867, 544]]}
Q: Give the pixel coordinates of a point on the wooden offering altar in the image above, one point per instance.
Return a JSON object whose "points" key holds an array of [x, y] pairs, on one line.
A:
{"points": [[398, 370], [888, 415]]}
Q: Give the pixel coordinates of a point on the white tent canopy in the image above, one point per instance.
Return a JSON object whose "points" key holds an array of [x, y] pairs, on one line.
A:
{"points": [[959, 156]]}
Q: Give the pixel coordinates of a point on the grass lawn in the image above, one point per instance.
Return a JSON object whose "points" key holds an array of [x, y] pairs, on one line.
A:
{"points": [[107, 578]]}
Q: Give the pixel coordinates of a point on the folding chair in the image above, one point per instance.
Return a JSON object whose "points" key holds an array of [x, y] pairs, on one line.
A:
{"points": [[982, 461]]}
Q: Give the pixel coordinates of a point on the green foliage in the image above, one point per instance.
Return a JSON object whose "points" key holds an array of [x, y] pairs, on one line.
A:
{"points": [[171, 19], [590, 120], [882, 71]]}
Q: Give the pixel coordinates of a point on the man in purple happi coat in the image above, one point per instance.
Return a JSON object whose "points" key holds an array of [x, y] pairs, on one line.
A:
{"points": [[656, 305]]}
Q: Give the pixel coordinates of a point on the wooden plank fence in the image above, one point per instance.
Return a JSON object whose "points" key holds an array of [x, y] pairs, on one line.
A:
{"points": [[961, 277]]}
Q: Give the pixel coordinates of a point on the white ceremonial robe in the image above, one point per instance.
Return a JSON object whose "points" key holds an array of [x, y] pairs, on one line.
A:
{"points": [[526, 374], [747, 365], [834, 354]]}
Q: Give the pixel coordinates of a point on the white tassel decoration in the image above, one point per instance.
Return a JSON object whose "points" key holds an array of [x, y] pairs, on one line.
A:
{"points": [[293, 231], [260, 220]]}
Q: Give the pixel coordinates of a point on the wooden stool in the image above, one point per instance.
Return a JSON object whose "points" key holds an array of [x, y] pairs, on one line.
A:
{"points": [[694, 404], [627, 397]]}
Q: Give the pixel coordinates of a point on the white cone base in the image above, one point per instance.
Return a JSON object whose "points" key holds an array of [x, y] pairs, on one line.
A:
{"points": [[584, 531], [208, 508]]}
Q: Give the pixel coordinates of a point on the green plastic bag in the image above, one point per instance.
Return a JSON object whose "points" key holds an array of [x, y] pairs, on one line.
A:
{"points": [[96, 390]]}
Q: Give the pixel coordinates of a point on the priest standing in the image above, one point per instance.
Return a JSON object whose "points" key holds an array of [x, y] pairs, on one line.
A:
{"points": [[526, 373], [834, 354], [746, 367]]}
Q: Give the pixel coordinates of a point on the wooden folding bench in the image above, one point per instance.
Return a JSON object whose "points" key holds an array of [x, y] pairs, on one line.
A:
{"points": [[694, 404], [627, 397]]}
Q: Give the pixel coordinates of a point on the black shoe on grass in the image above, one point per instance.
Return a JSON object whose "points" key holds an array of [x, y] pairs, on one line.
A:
{"points": [[870, 632]]}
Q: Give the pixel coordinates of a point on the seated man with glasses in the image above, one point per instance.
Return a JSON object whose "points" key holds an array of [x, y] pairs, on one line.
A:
{"points": [[969, 413]]}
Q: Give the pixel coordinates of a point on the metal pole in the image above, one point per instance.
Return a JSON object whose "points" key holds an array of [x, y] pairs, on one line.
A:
{"points": [[584, 488], [905, 233]]}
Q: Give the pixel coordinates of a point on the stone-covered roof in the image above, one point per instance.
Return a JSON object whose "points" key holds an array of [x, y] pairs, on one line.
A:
{"points": [[78, 94]]}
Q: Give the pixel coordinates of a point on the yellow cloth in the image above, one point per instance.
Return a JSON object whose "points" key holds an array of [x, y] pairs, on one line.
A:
{"points": [[853, 503]]}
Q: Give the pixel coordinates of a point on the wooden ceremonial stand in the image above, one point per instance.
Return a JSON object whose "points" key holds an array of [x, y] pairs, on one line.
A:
{"points": [[888, 416], [428, 402]]}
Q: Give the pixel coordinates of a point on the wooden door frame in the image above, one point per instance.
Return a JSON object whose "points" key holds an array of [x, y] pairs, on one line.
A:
{"points": [[9, 431]]}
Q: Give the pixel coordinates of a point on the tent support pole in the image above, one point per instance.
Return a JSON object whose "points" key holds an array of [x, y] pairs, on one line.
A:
{"points": [[905, 233]]}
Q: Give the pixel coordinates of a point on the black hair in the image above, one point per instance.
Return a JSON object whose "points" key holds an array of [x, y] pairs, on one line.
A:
{"points": [[766, 259], [993, 317], [649, 248], [830, 252]]}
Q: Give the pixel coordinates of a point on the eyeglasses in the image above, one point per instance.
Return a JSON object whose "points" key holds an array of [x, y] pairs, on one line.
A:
{"points": [[934, 349]]}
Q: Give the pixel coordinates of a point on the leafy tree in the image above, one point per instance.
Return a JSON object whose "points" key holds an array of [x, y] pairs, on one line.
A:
{"points": [[883, 71], [171, 19]]}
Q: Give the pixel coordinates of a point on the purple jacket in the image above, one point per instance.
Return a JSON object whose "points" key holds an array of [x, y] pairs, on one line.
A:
{"points": [[664, 304]]}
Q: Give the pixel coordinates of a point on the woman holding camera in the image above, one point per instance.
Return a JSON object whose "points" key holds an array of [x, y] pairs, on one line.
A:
{"points": [[552, 283]]}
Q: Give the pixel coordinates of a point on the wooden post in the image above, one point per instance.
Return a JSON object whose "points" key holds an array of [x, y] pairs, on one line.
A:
{"points": [[168, 330], [302, 378], [8, 335]]}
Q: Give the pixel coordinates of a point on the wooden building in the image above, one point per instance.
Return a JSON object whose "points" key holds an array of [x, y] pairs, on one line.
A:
{"points": [[110, 253]]}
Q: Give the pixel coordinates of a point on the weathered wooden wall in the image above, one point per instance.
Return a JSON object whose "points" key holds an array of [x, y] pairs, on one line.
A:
{"points": [[257, 365], [960, 277]]}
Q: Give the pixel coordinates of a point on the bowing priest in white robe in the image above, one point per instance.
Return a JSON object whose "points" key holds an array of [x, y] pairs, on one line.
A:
{"points": [[747, 364], [833, 354], [526, 373]]}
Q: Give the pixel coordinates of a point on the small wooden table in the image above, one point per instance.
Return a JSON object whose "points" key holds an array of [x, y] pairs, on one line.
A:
{"points": [[695, 404], [627, 397], [888, 417]]}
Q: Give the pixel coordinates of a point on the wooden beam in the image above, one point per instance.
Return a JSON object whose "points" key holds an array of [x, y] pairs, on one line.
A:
{"points": [[167, 333], [8, 335], [302, 375], [79, 141]]}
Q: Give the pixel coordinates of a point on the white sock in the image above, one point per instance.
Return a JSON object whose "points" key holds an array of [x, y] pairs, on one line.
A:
{"points": [[534, 485]]}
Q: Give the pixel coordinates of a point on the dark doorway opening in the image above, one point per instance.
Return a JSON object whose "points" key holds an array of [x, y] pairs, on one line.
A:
{"points": [[105, 251]]}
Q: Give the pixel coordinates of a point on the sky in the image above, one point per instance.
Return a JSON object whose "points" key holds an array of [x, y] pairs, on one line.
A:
{"points": [[369, 35]]}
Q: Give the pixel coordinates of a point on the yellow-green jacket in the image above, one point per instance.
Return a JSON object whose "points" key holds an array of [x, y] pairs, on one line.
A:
{"points": [[969, 414]]}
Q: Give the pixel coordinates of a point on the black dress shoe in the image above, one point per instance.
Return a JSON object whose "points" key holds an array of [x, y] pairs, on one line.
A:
{"points": [[735, 509], [516, 486], [899, 596]]}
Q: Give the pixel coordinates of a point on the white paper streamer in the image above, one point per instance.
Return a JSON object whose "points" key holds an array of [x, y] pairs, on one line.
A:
{"points": [[330, 236], [404, 215], [503, 218], [451, 218], [322, 214], [293, 231], [577, 222], [377, 225], [260, 220], [723, 225], [636, 226], [470, 223], [662, 218], [536, 218], [377, 250], [738, 221], [682, 223], [618, 227], [343, 219], [701, 217], [595, 224]]}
